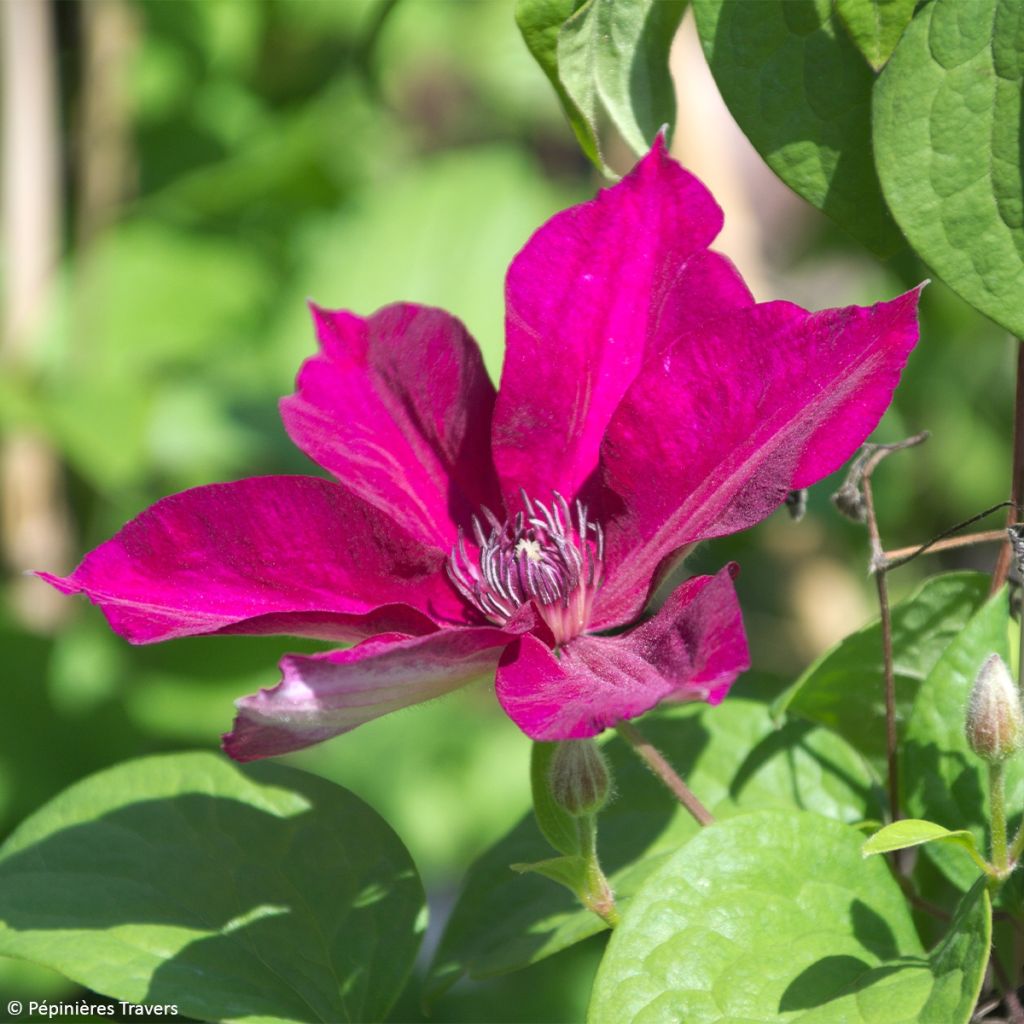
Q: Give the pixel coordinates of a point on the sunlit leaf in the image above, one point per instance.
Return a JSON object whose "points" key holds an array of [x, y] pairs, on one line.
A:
{"points": [[948, 142], [774, 917], [801, 92]]}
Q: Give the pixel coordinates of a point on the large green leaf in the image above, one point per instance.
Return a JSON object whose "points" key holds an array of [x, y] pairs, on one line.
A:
{"points": [[732, 756], [801, 93], [257, 893], [845, 688], [944, 781], [948, 142], [606, 58], [875, 26], [944, 987], [775, 916]]}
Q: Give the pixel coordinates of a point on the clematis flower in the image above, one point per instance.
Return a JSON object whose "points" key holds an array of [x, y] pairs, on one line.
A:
{"points": [[646, 404]]}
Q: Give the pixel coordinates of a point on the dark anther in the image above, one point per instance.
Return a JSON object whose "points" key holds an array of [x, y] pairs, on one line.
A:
{"points": [[796, 504], [850, 501], [1016, 535]]}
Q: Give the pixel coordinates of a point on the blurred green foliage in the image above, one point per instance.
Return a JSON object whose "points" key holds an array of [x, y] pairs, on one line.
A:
{"points": [[358, 153]]}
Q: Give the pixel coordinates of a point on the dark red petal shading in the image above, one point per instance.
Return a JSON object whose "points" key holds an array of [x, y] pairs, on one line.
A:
{"points": [[265, 555], [596, 290], [693, 649], [398, 407], [712, 436], [324, 695]]}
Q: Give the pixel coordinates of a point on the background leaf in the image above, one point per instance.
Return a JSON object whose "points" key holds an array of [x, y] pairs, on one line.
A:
{"points": [[258, 893], [801, 93], [764, 917], [844, 689], [732, 756], [948, 142]]}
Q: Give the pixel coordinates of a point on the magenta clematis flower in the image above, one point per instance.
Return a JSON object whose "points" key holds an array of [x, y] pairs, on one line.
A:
{"points": [[646, 404]]}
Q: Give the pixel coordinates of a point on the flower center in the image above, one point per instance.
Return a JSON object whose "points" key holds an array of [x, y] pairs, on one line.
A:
{"points": [[544, 555]]}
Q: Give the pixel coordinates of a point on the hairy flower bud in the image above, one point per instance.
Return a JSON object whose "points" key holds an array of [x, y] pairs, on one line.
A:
{"points": [[995, 722], [579, 777]]}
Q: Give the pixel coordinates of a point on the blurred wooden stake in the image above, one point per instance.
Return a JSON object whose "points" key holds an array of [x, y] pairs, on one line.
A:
{"points": [[105, 172], [708, 143], [34, 522]]}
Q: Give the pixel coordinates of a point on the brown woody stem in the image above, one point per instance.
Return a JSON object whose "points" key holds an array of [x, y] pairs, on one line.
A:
{"points": [[879, 567], [1002, 569]]}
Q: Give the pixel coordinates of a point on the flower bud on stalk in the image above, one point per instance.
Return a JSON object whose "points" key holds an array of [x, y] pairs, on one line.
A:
{"points": [[995, 722], [579, 777]]}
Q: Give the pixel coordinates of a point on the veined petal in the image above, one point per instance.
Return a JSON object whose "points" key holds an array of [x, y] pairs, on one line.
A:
{"points": [[693, 649], [265, 555], [712, 436], [324, 695], [398, 407], [594, 291]]}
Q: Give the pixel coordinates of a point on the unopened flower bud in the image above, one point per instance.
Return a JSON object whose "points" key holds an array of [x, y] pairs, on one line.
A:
{"points": [[579, 777], [995, 722]]}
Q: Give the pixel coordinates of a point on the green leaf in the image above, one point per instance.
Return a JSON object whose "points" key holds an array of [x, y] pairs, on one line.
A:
{"points": [[606, 58], [875, 26], [540, 22], [261, 892], [948, 142], [914, 832], [801, 93], [845, 690], [568, 871], [558, 825], [944, 987], [944, 781], [758, 918], [613, 58], [732, 756], [728, 930]]}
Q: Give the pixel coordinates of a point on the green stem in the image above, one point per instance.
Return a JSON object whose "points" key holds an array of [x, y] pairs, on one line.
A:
{"points": [[997, 799], [598, 896]]}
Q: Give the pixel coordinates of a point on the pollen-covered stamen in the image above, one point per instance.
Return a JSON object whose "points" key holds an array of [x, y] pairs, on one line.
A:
{"points": [[544, 555]]}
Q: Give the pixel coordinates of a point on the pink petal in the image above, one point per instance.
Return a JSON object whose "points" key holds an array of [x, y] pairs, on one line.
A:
{"points": [[594, 290], [324, 695], [693, 649], [398, 407], [711, 437], [270, 554]]}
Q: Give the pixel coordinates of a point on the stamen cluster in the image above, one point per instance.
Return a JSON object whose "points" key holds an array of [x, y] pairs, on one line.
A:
{"points": [[541, 555]]}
